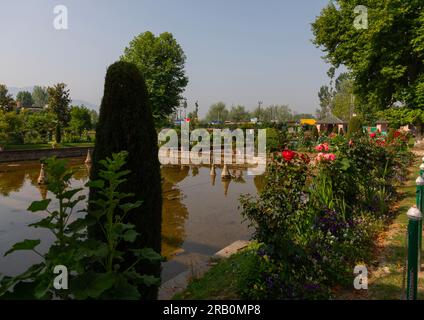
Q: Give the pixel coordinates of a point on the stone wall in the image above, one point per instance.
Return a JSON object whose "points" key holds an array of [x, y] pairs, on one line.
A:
{"points": [[25, 155]]}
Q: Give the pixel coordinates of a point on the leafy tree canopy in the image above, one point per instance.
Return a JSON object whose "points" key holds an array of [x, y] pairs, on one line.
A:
{"points": [[161, 60], [80, 119], [40, 97], [25, 99], [386, 59], [217, 112], [59, 105], [6, 99]]}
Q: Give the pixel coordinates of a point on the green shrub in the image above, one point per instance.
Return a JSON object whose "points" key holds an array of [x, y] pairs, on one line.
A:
{"points": [[354, 127], [126, 124]]}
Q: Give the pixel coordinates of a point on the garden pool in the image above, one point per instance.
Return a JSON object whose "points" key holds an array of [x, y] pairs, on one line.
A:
{"points": [[200, 214]]}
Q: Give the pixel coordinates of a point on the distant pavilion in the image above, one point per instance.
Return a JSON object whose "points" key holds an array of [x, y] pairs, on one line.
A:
{"points": [[329, 122]]}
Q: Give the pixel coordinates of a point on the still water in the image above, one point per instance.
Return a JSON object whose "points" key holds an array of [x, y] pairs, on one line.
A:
{"points": [[200, 214]]}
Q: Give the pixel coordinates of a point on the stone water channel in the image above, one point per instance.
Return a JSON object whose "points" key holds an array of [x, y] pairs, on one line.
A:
{"points": [[200, 213]]}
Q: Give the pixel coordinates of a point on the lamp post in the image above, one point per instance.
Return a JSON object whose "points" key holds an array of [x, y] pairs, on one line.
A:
{"points": [[414, 217]]}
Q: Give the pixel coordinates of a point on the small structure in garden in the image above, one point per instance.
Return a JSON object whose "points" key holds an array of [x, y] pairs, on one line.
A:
{"points": [[382, 125], [327, 124]]}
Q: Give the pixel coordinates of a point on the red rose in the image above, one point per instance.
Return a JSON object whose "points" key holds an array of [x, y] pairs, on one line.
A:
{"points": [[373, 135], [288, 155]]}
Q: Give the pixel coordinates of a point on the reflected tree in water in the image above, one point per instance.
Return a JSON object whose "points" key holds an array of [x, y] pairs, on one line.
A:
{"points": [[174, 212]]}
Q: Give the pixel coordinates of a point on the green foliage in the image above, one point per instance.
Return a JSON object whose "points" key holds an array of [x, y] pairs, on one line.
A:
{"points": [[40, 97], [354, 127], [95, 267], [385, 59], [126, 124], [39, 127], [325, 96], [315, 133], [278, 216], [25, 99], [161, 60], [217, 112], [316, 222], [279, 113], [58, 104], [398, 117], [6, 99], [80, 120], [238, 114]]}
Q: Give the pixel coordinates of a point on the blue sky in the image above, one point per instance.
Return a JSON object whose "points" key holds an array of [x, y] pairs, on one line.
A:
{"points": [[237, 51]]}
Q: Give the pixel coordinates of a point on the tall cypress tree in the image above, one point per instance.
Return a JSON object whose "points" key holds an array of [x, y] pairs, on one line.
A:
{"points": [[126, 124]]}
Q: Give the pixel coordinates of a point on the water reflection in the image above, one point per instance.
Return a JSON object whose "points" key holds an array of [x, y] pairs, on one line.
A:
{"points": [[196, 220]]}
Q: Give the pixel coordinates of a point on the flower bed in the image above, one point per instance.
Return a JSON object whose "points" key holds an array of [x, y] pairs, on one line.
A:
{"points": [[318, 216]]}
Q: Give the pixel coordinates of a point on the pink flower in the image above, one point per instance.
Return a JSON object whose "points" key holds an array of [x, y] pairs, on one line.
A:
{"points": [[325, 157], [350, 142], [320, 157], [330, 157], [326, 147], [322, 147]]}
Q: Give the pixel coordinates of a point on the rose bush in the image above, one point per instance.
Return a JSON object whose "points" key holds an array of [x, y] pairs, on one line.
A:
{"points": [[316, 220]]}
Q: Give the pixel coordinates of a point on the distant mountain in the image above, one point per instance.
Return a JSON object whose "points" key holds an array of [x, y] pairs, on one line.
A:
{"points": [[14, 91]]}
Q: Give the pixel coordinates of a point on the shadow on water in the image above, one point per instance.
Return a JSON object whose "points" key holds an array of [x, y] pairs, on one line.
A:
{"points": [[200, 212]]}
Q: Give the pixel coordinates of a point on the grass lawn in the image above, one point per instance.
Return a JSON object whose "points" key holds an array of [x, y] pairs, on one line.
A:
{"points": [[385, 280], [46, 146], [219, 283]]}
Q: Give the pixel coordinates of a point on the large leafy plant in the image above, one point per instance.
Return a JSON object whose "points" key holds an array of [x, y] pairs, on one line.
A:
{"points": [[94, 266]]}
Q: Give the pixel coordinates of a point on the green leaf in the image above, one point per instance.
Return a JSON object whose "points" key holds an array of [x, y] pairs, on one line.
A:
{"points": [[91, 284], [149, 281], [123, 290], [79, 225], [130, 206], [96, 184], [37, 206], [147, 254], [24, 245], [21, 291], [130, 235], [44, 223], [69, 194]]}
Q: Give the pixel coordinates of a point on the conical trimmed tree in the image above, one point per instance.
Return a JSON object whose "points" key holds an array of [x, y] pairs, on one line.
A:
{"points": [[126, 124]]}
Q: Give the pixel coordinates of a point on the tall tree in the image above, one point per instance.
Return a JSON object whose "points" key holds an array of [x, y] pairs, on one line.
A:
{"points": [[239, 113], [161, 60], [217, 112], [94, 115], [6, 99], [343, 100], [59, 105], [273, 113], [25, 99], [126, 124], [40, 97], [80, 119], [325, 102], [385, 58]]}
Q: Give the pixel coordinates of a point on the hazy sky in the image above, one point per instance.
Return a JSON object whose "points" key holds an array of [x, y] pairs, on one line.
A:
{"points": [[238, 51]]}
